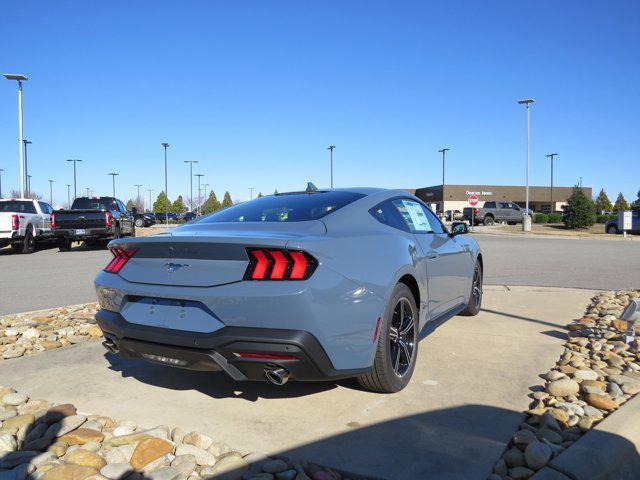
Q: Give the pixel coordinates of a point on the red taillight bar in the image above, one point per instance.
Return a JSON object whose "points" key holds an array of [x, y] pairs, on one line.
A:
{"points": [[15, 222], [279, 264], [52, 220], [120, 257], [265, 356], [107, 219]]}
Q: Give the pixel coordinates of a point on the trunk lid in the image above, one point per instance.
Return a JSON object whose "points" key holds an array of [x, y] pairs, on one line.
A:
{"points": [[206, 255], [80, 218]]}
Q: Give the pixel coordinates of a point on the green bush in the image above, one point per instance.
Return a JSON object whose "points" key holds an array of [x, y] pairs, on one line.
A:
{"points": [[555, 218], [580, 211], [540, 218], [604, 218]]}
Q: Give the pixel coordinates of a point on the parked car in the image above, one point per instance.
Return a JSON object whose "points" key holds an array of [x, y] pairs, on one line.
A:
{"points": [[292, 286], [145, 219], [92, 219], [493, 212], [613, 227], [162, 217], [187, 217], [23, 222], [452, 215]]}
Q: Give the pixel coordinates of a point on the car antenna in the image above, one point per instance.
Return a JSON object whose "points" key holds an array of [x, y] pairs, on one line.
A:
{"points": [[311, 188]]}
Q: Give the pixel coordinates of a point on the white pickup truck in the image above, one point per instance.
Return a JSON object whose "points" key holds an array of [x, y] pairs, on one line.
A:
{"points": [[23, 222]]}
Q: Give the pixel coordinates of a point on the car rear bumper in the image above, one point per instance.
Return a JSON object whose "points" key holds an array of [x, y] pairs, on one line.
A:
{"points": [[306, 359], [89, 233]]}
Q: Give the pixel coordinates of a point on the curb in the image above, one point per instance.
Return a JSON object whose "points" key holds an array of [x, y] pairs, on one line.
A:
{"points": [[616, 238], [608, 451]]}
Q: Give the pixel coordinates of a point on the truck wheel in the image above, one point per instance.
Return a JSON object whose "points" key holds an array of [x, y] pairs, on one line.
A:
{"points": [[488, 221], [29, 242], [139, 222], [613, 229], [397, 345], [64, 244]]}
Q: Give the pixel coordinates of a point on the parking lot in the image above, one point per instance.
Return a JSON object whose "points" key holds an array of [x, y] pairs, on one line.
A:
{"points": [[49, 278]]}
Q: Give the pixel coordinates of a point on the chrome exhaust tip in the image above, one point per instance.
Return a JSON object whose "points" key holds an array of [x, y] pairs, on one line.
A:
{"points": [[109, 345], [276, 375]]}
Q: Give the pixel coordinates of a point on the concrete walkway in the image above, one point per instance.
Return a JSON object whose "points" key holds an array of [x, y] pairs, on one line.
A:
{"points": [[451, 422]]}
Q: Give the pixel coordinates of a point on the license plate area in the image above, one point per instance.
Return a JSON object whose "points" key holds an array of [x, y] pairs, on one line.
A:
{"points": [[184, 315], [80, 231]]}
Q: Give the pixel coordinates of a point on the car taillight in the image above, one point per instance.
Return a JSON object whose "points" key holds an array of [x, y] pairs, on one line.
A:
{"points": [[120, 258], [265, 356], [108, 218], [279, 264], [476, 212], [52, 220], [15, 222]]}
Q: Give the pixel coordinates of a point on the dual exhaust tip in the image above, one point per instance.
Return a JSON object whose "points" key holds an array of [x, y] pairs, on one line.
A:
{"points": [[276, 375]]}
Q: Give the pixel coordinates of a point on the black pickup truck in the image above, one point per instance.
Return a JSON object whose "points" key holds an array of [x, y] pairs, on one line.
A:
{"points": [[92, 219]]}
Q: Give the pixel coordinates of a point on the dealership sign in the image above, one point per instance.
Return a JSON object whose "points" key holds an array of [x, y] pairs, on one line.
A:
{"points": [[469, 192]]}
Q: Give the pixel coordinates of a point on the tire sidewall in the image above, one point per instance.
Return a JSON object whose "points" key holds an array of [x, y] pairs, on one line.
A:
{"points": [[400, 291], [29, 242]]}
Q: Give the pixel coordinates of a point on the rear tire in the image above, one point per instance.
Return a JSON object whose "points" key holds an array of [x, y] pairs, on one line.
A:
{"points": [[29, 242], [613, 229], [488, 221], [139, 222], [397, 346], [475, 297]]}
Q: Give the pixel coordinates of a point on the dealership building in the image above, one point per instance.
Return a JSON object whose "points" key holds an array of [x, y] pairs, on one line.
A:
{"points": [[456, 197]]}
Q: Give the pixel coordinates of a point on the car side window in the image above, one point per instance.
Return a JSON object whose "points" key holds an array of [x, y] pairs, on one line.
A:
{"points": [[44, 207], [504, 205], [489, 205], [515, 206], [388, 214], [413, 215], [436, 224]]}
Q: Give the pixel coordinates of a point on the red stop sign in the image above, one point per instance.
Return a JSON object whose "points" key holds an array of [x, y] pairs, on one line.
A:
{"points": [[473, 200]]}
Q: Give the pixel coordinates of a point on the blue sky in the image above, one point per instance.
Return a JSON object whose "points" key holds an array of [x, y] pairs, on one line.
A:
{"points": [[256, 90]]}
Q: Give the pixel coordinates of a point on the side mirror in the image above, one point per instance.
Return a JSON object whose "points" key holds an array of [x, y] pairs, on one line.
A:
{"points": [[459, 228], [134, 210]]}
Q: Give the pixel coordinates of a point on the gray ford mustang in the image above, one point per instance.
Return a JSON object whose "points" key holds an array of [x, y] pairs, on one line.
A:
{"points": [[311, 285]]}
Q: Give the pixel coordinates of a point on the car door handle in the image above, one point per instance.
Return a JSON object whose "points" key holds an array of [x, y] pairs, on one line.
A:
{"points": [[432, 254]]}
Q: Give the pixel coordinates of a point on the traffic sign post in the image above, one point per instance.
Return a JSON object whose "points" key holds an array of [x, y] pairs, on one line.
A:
{"points": [[473, 201]]}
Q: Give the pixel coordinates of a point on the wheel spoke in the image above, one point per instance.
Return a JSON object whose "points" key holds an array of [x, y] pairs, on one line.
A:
{"points": [[393, 334], [396, 361], [405, 350]]}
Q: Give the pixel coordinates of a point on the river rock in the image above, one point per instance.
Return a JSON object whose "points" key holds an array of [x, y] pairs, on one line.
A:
{"points": [[563, 387], [602, 402], [85, 458], [148, 450], [69, 472], [537, 455]]}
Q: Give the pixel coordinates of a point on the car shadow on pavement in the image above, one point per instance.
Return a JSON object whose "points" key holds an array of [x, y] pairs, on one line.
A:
{"points": [[213, 384], [456, 443], [520, 317]]}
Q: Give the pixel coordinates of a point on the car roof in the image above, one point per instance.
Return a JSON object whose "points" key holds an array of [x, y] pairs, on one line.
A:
{"points": [[360, 190]]}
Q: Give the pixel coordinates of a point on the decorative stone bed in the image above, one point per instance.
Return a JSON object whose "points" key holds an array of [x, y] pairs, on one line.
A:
{"points": [[595, 375], [34, 332], [39, 440]]}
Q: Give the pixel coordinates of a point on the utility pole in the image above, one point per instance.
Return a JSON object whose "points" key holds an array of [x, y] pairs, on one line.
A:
{"points": [[68, 195], [150, 204], [330, 148], [51, 192], [19, 78], [75, 192], [550, 156], [191, 162], [113, 178], [443, 152], [250, 193], [26, 163], [138, 197], [28, 186], [526, 222], [199, 175], [166, 187]]}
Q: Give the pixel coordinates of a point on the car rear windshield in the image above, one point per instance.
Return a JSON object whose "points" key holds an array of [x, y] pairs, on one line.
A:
{"points": [[17, 206], [94, 204], [290, 207]]}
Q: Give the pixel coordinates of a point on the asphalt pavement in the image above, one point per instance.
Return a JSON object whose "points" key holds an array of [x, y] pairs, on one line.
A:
{"points": [[48, 278]]}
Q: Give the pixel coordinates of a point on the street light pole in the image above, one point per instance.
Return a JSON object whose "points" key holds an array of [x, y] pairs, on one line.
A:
{"points": [[113, 178], [150, 205], [551, 155], [26, 163], [51, 192], [526, 221], [199, 175], [68, 195], [1, 170], [166, 188], [443, 152], [191, 162], [28, 185], [19, 78], [75, 192], [138, 197], [205, 185], [250, 193], [330, 148]]}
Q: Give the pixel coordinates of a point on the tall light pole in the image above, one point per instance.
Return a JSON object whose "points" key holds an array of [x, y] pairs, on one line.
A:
{"points": [[88, 193], [113, 178], [1, 170], [443, 151], [330, 148], [191, 162], [51, 192], [250, 193], [19, 78], [199, 175], [138, 197], [526, 221], [551, 155], [28, 185], [205, 186], [150, 204], [166, 188], [68, 195], [75, 192], [26, 162]]}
